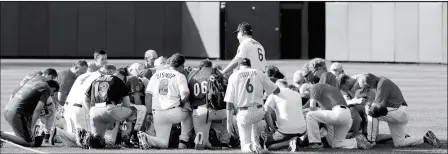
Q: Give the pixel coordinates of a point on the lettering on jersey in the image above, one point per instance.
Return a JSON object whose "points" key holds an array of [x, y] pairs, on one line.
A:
{"points": [[106, 78], [247, 74], [165, 75], [163, 87], [102, 89]]}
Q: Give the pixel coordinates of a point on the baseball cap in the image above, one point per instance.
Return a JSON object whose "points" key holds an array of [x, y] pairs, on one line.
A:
{"points": [[151, 53], [244, 26], [244, 61], [136, 69], [336, 66]]}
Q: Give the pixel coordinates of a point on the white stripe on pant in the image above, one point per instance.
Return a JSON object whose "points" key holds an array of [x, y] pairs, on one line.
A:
{"points": [[338, 122], [397, 119]]}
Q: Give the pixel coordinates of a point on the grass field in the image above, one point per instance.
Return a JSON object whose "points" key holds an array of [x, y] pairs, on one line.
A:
{"points": [[424, 88]]}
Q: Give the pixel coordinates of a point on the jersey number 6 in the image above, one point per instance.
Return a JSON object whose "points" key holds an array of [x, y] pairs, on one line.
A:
{"points": [[249, 87], [260, 54], [200, 88]]}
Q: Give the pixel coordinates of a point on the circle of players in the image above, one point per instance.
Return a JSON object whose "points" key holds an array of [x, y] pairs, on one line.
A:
{"points": [[163, 104]]}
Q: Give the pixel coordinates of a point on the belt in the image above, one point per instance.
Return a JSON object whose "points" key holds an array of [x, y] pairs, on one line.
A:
{"points": [[342, 106], [166, 109], [77, 105], [247, 107]]}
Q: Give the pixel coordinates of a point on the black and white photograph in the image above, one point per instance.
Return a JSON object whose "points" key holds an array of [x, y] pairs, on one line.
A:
{"points": [[223, 77]]}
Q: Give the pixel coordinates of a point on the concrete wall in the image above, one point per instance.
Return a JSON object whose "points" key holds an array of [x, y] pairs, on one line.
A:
{"points": [[386, 31], [124, 29]]}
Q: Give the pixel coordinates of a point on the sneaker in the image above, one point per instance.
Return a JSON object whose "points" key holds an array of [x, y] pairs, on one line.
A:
{"points": [[52, 135], [263, 139], [431, 139], [80, 133], [198, 141], [142, 142], [86, 141], [362, 142], [315, 146], [182, 145], [293, 144]]}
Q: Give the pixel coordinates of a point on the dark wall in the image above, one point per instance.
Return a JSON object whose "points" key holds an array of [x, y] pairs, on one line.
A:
{"points": [[264, 19], [76, 29]]}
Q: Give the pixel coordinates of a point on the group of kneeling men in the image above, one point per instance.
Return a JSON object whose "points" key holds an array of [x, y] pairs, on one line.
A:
{"points": [[141, 106]]}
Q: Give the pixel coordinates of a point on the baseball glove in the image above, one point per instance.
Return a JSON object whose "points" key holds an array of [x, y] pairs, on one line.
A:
{"points": [[377, 111]]}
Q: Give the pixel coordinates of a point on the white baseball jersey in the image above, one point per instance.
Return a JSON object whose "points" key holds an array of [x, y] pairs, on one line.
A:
{"points": [[246, 87], [166, 87], [80, 86], [288, 108], [254, 51]]}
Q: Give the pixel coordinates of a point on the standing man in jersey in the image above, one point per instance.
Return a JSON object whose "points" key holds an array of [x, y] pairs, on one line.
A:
{"points": [[245, 94], [168, 93], [202, 121], [390, 102], [248, 48], [334, 114], [23, 110], [99, 60]]}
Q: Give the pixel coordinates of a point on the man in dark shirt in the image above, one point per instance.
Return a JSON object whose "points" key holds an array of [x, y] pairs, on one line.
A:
{"points": [[197, 83], [316, 71], [334, 114], [389, 95], [67, 77], [103, 97], [25, 108]]}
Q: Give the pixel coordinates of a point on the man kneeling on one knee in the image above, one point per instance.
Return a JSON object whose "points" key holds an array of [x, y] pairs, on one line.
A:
{"points": [[334, 113]]}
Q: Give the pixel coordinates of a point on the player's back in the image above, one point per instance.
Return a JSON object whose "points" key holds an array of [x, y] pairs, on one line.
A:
{"points": [[197, 84], [248, 85], [27, 97], [255, 52], [80, 86], [135, 85], [166, 86]]}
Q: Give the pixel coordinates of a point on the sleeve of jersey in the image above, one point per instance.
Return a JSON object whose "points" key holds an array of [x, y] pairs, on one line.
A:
{"points": [[151, 85], [89, 91], [121, 87], [242, 51], [268, 85], [270, 102], [183, 85], [314, 93], [381, 94], [230, 91]]}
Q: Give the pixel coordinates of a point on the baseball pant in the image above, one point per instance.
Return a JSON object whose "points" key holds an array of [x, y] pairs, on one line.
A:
{"points": [[76, 117], [163, 121], [21, 125], [338, 122], [397, 119], [101, 117], [248, 127], [201, 126], [47, 121]]}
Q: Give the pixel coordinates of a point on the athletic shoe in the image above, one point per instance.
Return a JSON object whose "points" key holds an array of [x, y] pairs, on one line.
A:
{"points": [[315, 146], [293, 144], [142, 142], [182, 145], [263, 139], [199, 141], [80, 133], [87, 141], [52, 135], [362, 142], [431, 139]]}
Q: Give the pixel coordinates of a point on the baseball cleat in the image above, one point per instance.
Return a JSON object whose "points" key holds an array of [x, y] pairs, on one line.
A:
{"points": [[199, 141], [431, 139], [293, 144], [315, 146], [52, 135], [362, 142], [263, 139], [143, 143], [80, 136]]}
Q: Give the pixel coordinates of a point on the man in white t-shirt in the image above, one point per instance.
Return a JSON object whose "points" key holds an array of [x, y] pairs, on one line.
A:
{"points": [[167, 91], [248, 48], [245, 94], [291, 123]]}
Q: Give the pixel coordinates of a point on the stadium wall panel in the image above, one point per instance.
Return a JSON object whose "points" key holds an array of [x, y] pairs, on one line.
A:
{"points": [[406, 32], [337, 31], [9, 28], [388, 32], [444, 32], [124, 29]]}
